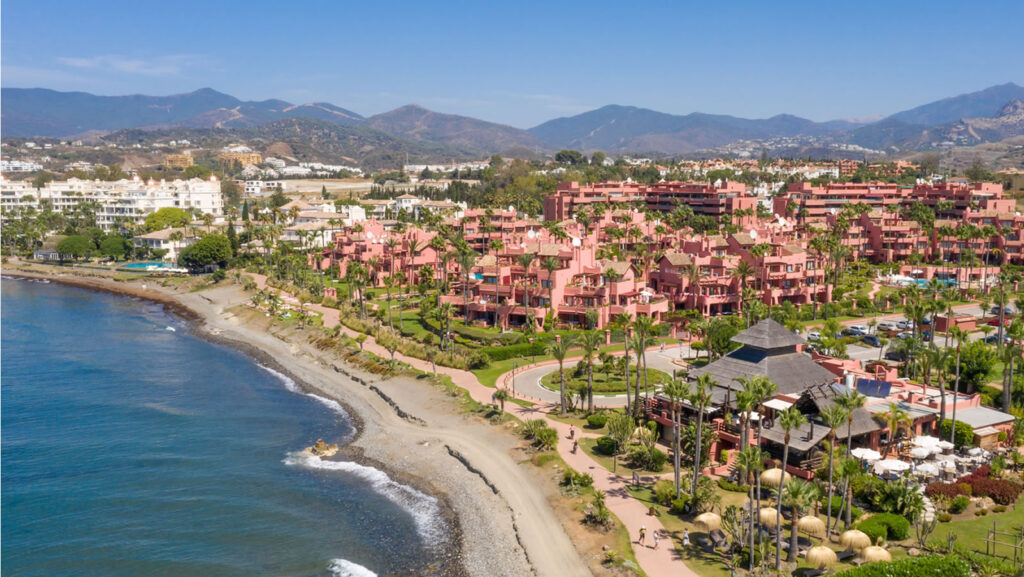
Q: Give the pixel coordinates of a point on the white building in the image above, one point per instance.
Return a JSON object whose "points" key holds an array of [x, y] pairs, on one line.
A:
{"points": [[173, 240], [124, 200]]}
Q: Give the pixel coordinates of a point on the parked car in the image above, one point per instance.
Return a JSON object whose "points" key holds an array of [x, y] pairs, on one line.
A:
{"points": [[905, 335], [995, 322], [887, 326], [926, 321], [862, 328], [814, 336], [993, 339], [898, 356], [904, 325], [853, 332], [1008, 309], [871, 341]]}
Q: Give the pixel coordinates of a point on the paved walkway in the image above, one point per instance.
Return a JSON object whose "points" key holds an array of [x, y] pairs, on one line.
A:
{"points": [[663, 562]]}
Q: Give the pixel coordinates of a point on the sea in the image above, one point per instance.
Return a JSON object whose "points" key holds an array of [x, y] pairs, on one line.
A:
{"points": [[130, 447]]}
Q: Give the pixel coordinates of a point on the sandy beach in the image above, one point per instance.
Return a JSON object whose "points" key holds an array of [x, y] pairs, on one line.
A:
{"points": [[503, 523]]}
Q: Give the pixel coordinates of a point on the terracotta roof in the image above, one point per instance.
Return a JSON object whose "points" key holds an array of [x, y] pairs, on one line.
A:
{"points": [[743, 239], [487, 260], [678, 259], [549, 249], [621, 267]]}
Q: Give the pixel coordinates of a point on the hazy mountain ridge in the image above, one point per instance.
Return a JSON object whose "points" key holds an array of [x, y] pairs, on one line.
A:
{"points": [[421, 125]]}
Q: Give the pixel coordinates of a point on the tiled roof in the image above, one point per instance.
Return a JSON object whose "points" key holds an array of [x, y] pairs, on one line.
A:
{"points": [[768, 334]]}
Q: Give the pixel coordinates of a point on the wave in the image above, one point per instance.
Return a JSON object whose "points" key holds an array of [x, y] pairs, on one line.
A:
{"points": [[291, 386], [425, 510], [346, 568]]}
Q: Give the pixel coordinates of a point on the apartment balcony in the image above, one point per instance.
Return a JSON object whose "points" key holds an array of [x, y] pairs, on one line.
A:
{"points": [[652, 308], [718, 299], [582, 291]]}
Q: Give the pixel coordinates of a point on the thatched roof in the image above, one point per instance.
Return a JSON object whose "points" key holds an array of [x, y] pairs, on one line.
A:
{"points": [[791, 371], [814, 400], [769, 334], [803, 439]]}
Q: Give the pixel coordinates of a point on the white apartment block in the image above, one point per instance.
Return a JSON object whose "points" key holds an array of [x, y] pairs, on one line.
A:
{"points": [[131, 200]]}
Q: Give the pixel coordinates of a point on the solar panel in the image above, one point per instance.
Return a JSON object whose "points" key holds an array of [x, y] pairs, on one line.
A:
{"points": [[872, 388]]}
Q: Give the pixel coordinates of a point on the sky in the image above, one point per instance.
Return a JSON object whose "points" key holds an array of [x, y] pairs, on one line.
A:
{"points": [[522, 63]]}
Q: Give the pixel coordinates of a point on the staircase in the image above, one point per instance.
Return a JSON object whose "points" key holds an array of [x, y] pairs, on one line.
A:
{"points": [[929, 507]]}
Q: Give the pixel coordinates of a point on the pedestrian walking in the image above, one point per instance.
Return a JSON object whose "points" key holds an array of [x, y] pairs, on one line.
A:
{"points": [[656, 538], [643, 534], [686, 538], [572, 431]]}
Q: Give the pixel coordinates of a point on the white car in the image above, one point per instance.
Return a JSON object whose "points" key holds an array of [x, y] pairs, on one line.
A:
{"points": [[814, 336], [887, 326], [863, 329], [905, 325]]}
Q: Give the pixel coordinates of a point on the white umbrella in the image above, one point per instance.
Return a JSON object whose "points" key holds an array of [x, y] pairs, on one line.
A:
{"points": [[928, 469], [926, 441], [976, 451], [866, 454], [945, 445], [920, 452], [891, 465]]}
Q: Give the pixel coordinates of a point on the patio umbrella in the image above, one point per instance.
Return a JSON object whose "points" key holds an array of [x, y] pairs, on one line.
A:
{"points": [[975, 452], [821, 557], [891, 466], [921, 452], [768, 517], [710, 521], [866, 454], [874, 554], [945, 445], [855, 540], [926, 441], [928, 469], [772, 478], [811, 526]]}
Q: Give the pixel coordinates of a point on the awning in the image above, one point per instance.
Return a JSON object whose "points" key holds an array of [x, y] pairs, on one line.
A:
{"points": [[778, 404]]}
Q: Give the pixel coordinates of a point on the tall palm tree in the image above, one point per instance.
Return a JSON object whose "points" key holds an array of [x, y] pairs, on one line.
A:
{"points": [[551, 264], [850, 400], [960, 336], [895, 419], [559, 349], [525, 260], [745, 403], [750, 462], [677, 391], [790, 420], [590, 341], [644, 326], [799, 496], [834, 417], [624, 321], [699, 399], [637, 346], [693, 282]]}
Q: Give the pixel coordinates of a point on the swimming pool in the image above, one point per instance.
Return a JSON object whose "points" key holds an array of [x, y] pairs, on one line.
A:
{"points": [[923, 283], [147, 265]]}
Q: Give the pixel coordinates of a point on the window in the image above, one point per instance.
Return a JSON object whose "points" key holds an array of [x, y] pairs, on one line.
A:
{"points": [[546, 284]]}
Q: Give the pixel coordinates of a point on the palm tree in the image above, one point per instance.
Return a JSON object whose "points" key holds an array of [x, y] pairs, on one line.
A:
{"points": [[644, 326], [591, 341], [960, 335], [559, 349], [699, 399], [676, 391], [623, 320], [834, 417], [693, 281], [551, 264], [850, 400], [799, 496], [637, 346], [743, 271], [389, 282], [895, 418], [750, 461], [789, 420], [501, 395], [745, 403]]}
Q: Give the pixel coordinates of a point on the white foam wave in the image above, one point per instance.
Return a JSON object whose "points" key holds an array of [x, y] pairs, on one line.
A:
{"points": [[346, 568], [425, 510], [291, 386]]}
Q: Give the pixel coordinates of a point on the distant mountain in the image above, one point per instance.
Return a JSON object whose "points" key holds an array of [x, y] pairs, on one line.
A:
{"points": [[307, 141], [982, 104], [421, 125], [895, 135], [623, 128], [42, 112]]}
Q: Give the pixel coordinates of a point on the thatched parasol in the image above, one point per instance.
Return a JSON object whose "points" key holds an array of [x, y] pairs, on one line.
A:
{"points": [[821, 557], [710, 521], [768, 517], [771, 478], [811, 526], [855, 540], [874, 553]]}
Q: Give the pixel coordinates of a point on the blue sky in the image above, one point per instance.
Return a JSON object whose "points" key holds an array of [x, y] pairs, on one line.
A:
{"points": [[523, 62]]}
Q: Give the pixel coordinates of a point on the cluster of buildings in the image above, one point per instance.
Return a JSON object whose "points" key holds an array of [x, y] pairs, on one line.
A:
{"points": [[812, 383], [115, 202]]}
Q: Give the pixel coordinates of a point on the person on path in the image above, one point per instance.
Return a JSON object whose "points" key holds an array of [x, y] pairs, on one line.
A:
{"points": [[575, 445], [656, 538], [643, 533], [686, 538], [572, 431]]}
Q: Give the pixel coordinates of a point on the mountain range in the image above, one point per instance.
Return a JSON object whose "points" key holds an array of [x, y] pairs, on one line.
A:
{"points": [[988, 115]]}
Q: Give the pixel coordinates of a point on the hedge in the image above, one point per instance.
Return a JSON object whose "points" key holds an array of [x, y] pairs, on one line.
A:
{"points": [[536, 348], [1001, 491], [964, 433], [885, 526], [913, 567], [607, 445], [727, 485], [597, 420]]}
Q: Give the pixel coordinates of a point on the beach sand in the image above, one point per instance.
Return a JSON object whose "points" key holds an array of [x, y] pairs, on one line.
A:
{"points": [[504, 522]]}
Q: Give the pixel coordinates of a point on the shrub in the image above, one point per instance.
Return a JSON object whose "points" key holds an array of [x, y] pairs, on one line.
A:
{"points": [[547, 438], [837, 502], [886, 525], [999, 509], [944, 517], [947, 566], [899, 498], [570, 477], [1001, 491], [680, 506], [958, 504], [219, 275], [597, 420], [865, 486], [652, 459], [607, 445], [964, 433], [531, 427], [981, 512], [664, 492], [727, 485], [536, 348], [948, 490]]}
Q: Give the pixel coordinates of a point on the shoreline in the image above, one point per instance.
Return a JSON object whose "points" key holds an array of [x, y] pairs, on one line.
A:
{"points": [[482, 539]]}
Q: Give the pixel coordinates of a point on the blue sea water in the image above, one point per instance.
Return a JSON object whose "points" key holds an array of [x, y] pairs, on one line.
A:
{"points": [[130, 449]]}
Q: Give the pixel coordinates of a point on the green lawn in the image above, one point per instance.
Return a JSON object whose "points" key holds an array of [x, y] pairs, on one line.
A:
{"points": [[604, 384], [972, 533], [589, 445]]}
